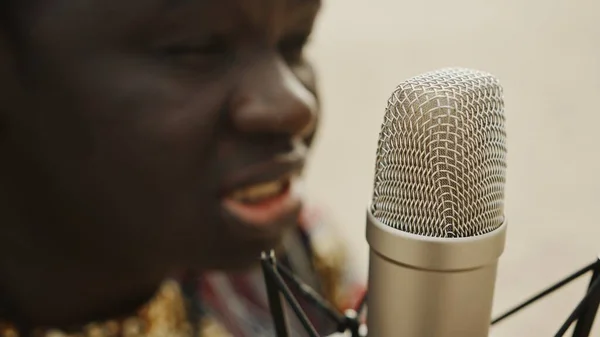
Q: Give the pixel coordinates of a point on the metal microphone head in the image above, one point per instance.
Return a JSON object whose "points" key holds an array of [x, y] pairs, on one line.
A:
{"points": [[441, 157]]}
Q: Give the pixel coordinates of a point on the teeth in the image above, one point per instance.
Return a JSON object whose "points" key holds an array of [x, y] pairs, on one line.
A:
{"points": [[260, 191]]}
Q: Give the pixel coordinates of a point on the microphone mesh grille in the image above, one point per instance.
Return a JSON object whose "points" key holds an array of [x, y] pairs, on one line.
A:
{"points": [[441, 158]]}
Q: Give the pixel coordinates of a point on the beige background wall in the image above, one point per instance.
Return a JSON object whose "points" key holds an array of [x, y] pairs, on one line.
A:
{"points": [[546, 54]]}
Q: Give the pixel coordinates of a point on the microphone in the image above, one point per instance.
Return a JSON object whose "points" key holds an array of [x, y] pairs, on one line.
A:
{"points": [[436, 226]]}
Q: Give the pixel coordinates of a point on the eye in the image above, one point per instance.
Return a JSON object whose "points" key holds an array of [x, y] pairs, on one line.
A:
{"points": [[213, 46], [291, 47]]}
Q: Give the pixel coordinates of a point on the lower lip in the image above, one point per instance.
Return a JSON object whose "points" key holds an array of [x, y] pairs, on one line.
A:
{"points": [[268, 212]]}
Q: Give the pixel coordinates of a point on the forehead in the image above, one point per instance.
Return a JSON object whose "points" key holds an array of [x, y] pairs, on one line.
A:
{"points": [[113, 12], [93, 22]]}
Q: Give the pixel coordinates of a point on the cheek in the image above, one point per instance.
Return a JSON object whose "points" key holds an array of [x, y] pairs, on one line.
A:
{"points": [[132, 134], [151, 102], [306, 74], [162, 121]]}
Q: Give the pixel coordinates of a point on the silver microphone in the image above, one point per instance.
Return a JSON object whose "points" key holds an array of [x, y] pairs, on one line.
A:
{"points": [[436, 225]]}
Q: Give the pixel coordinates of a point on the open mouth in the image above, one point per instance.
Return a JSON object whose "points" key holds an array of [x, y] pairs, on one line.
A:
{"points": [[261, 193], [265, 203]]}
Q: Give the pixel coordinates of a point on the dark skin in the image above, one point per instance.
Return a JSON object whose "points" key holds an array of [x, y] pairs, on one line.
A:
{"points": [[123, 123]]}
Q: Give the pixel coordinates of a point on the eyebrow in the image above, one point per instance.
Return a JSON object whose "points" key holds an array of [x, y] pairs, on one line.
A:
{"points": [[304, 10], [309, 2], [172, 4]]}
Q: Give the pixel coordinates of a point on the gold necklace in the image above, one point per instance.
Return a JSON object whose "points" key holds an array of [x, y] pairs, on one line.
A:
{"points": [[164, 316]]}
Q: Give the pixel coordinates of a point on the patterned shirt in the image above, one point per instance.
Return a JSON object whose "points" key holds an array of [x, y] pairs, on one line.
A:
{"points": [[226, 304]]}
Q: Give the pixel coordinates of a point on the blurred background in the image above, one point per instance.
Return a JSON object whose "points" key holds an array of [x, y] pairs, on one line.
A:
{"points": [[547, 56]]}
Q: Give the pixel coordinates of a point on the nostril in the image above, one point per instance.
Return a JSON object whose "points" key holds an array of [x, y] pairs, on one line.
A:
{"points": [[271, 99], [302, 121], [282, 112]]}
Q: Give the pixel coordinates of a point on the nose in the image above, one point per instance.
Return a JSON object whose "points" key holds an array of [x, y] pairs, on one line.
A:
{"points": [[270, 99]]}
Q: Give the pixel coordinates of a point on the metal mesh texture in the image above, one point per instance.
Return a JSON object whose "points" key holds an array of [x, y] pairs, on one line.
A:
{"points": [[441, 158]]}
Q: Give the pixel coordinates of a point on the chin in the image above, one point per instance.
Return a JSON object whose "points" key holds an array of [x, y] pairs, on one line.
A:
{"points": [[246, 256], [233, 247], [235, 264]]}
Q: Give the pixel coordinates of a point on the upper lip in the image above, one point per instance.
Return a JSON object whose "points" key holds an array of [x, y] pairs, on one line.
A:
{"points": [[276, 168]]}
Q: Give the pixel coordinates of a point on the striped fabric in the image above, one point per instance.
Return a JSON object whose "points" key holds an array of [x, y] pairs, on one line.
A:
{"points": [[219, 304], [235, 304]]}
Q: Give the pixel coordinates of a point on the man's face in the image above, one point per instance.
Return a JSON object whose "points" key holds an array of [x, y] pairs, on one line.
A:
{"points": [[155, 131]]}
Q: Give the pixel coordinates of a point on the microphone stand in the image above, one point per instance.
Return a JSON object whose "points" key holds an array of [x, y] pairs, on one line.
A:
{"points": [[585, 311], [585, 318], [275, 276], [275, 306]]}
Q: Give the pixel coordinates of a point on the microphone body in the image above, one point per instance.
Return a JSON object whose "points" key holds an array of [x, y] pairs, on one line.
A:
{"points": [[436, 226], [421, 286]]}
